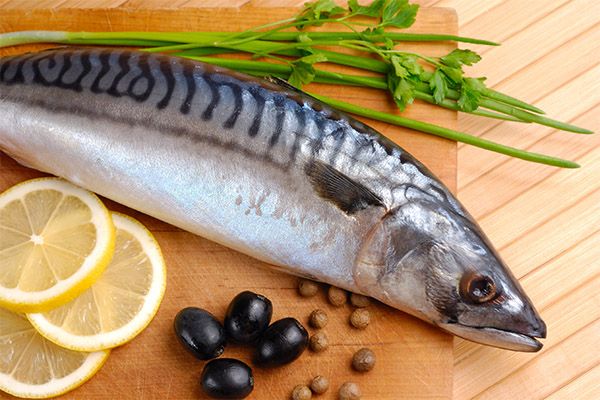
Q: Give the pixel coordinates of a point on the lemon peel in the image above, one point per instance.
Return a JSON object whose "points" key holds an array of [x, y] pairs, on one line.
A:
{"points": [[120, 304], [33, 367], [56, 239]]}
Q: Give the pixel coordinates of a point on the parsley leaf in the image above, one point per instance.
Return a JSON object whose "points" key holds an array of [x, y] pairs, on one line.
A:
{"points": [[303, 71], [460, 57], [412, 66], [372, 10], [319, 10], [399, 69], [475, 83], [328, 8], [305, 43], [303, 38], [371, 34], [470, 94], [398, 13], [453, 74], [406, 66], [402, 89], [313, 58], [439, 86]]}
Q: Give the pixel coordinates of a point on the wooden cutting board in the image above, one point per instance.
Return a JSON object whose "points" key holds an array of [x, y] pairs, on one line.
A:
{"points": [[414, 360]]}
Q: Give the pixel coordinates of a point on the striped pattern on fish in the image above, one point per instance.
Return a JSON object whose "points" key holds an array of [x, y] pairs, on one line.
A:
{"points": [[276, 127], [253, 165], [156, 79]]}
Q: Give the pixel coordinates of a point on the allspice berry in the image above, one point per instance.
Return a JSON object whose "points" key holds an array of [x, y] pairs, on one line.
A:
{"points": [[360, 318], [349, 391], [363, 360], [318, 319], [301, 392], [337, 296], [359, 301], [318, 342], [307, 288], [319, 384]]}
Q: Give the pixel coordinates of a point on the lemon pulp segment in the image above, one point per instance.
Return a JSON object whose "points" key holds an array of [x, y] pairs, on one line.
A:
{"points": [[33, 367], [55, 240], [120, 304]]}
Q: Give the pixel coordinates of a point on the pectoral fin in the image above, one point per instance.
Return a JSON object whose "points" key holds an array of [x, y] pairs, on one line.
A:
{"points": [[332, 185]]}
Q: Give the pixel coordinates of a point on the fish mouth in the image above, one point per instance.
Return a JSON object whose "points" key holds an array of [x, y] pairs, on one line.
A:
{"points": [[504, 339]]}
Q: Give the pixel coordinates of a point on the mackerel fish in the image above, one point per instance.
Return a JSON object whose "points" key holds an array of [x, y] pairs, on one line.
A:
{"points": [[268, 171]]}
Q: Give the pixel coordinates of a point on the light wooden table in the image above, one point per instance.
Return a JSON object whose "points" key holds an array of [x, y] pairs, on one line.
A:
{"points": [[545, 221]]}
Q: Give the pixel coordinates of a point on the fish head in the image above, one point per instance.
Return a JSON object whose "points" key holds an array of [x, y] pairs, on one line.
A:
{"points": [[436, 263]]}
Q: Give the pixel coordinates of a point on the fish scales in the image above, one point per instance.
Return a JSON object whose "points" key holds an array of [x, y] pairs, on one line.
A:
{"points": [[275, 129], [120, 73], [250, 164]]}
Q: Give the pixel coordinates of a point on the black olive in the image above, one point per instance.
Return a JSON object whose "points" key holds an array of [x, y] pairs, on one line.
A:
{"points": [[248, 315], [227, 378], [281, 343], [200, 333]]}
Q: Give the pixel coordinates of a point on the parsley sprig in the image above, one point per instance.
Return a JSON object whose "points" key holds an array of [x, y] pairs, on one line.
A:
{"points": [[370, 41]]}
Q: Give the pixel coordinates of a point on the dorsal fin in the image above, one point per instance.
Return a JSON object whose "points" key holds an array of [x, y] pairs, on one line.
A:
{"points": [[284, 84], [291, 88], [334, 186]]}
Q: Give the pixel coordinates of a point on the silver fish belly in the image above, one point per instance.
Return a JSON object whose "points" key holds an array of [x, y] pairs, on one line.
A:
{"points": [[267, 171]]}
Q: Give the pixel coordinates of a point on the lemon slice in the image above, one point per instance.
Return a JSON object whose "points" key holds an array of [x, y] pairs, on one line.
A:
{"points": [[33, 367], [56, 239], [120, 304]]}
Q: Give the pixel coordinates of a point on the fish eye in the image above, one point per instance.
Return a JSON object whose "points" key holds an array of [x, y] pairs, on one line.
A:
{"points": [[477, 288]]}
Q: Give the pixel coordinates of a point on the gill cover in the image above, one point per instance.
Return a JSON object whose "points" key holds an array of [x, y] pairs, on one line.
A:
{"points": [[437, 264]]}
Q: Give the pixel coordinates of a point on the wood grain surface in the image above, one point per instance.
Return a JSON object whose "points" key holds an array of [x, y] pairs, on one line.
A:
{"points": [[545, 221], [415, 360]]}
